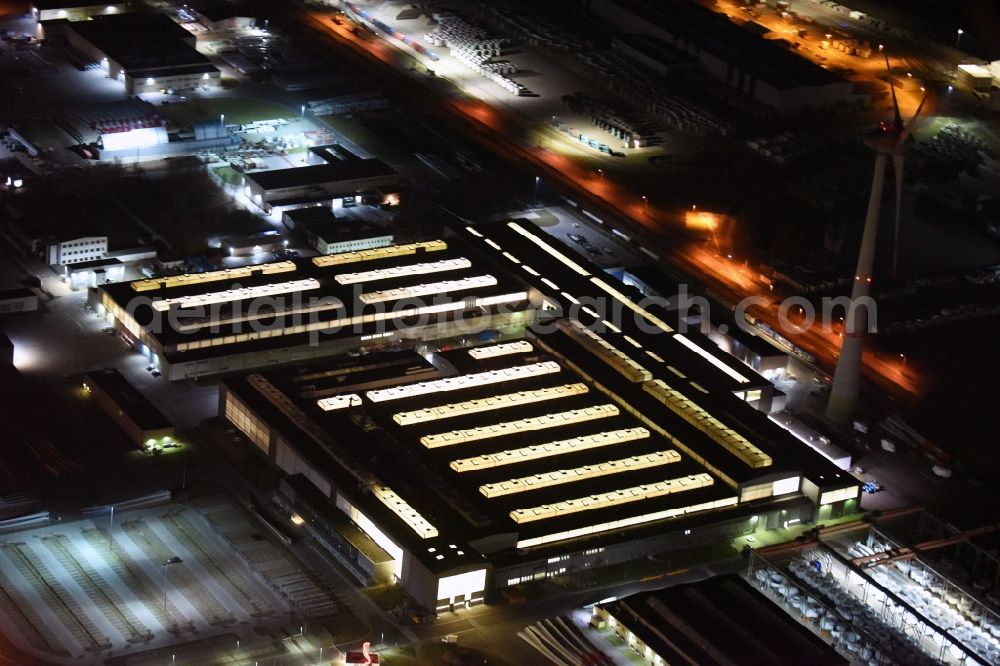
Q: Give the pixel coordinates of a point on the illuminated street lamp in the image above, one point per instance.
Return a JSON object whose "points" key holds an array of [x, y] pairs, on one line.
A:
{"points": [[958, 39], [172, 560], [601, 171]]}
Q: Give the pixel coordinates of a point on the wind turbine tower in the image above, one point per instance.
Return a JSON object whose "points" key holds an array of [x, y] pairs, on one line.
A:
{"points": [[889, 140]]}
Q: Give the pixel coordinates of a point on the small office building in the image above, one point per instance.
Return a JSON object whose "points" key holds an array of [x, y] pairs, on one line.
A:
{"points": [[70, 251]]}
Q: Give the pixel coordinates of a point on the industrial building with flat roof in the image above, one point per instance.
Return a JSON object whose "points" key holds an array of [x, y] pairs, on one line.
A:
{"points": [[129, 408], [242, 318], [762, 68], [328, 234], [339, 183], [586, 442], [74, 10], [144, 51], [714, 622]]}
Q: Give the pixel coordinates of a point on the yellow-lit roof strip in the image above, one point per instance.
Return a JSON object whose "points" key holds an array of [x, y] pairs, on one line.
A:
{"points": [[404, 271], [379, 253], [213, 276], [549, 449], [407, 513], [628, 521], [605, 351], [488, 404], [530, 424], [711, 358], [502, 349], [548, 249], [652, 318], [429, 289], [559, 477], [614, 498], [243, 293], [335, 402], [464, 381], [700, 418]]}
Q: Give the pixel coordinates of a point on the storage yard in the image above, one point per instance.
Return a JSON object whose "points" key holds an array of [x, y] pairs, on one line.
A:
{"points": [[78, 593]]}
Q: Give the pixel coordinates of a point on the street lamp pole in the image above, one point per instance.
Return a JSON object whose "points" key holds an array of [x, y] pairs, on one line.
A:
{"points": [[166, 563], [958, 39]]}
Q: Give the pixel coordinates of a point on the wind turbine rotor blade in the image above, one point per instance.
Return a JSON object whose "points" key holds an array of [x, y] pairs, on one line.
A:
{"points": [[897, 166], [892, 89], [913, 121]]}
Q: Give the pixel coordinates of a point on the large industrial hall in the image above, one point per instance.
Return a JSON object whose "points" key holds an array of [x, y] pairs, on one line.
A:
{"points": [[501, 436]]}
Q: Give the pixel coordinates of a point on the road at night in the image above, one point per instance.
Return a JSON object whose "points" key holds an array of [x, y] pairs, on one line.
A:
{"points": [[502, 133]]}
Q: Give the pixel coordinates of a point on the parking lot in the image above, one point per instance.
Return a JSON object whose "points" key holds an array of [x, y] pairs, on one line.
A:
{"points": [[79, 592]]}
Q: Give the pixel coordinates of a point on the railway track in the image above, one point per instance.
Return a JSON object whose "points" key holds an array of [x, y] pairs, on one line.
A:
{"points": [[52, 593], [204, 602], [235, 585], [98, 590], [27, 620], [146, 590]]}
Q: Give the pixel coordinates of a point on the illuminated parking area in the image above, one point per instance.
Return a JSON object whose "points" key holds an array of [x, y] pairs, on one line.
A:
{"points": [[379, 253], [613, 498], [697, 416], [570, 417], [549, 449], [213, 276], [464, 381], [561, 476], [429, 289], [488, 404], [404, 271], [336, 402], [244, 293], [602, 349], [504, 349], [407, 513]]}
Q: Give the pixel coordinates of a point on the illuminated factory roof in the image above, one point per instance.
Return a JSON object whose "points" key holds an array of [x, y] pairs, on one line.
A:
{"points": [[295, 303], [549, 449], [478, 405], [465, 381], [598, 428], [492, 351], [403, 271], [526, 483]]}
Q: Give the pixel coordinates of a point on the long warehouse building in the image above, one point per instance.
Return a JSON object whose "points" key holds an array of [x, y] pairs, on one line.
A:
{"points": [[242, 318], [602, 435]]}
